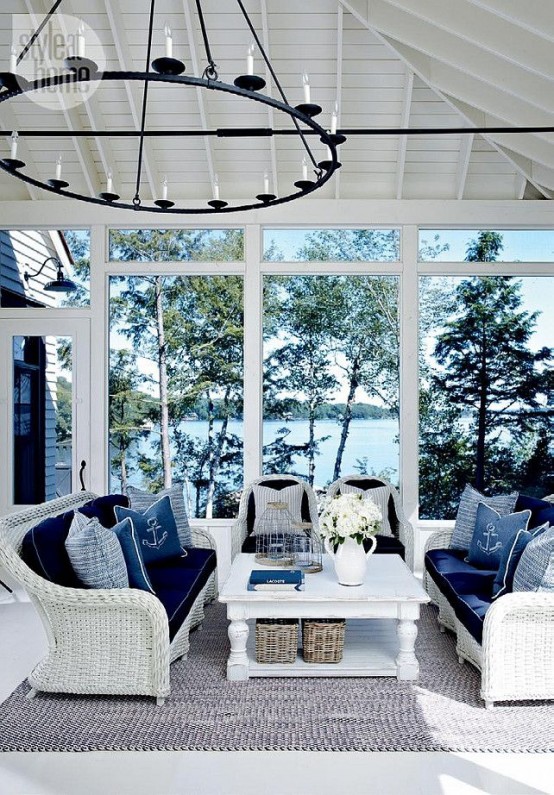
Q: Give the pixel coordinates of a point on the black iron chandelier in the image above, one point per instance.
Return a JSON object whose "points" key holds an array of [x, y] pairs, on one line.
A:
{"points": [[169, 70]]}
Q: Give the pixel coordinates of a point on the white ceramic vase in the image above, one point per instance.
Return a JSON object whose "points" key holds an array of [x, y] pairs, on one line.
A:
{"points": [[350, 560]]}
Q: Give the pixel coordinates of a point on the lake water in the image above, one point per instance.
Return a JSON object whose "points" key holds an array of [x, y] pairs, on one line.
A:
{"points": [[376, 440]]}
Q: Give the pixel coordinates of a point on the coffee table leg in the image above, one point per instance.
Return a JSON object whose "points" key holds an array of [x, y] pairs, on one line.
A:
{"points": [[237, 664], [407, 666]]}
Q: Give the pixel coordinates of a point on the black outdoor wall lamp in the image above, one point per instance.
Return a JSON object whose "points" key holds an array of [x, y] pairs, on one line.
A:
{"points": [[58, 285]]}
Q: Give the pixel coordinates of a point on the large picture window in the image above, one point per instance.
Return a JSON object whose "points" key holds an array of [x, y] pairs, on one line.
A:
{"points": [[176, 374], [331, 376], [486, 403]]}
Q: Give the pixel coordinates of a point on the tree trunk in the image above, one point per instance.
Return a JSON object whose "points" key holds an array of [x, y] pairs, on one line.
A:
{"points": [[311, 446], [346, 420], [482, 418], [162, 368], [215, 460], [123, 451], [211, 454]]}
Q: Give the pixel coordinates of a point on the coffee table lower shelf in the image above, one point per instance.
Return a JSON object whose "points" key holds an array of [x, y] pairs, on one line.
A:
{"points": [[370, 649]]}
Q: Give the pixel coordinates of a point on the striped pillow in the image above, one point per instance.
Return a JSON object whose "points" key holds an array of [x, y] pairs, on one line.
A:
{"points": [[140, 501], [467, 514], [380, 496], [292, 495], [95, 554], [535, 570]]}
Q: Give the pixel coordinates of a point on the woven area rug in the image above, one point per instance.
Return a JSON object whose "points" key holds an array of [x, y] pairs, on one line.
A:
{"points": [[440, 712]]}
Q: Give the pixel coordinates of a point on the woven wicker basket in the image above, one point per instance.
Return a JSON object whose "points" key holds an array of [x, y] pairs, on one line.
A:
{"points": [[276, 640], [323, 640]]}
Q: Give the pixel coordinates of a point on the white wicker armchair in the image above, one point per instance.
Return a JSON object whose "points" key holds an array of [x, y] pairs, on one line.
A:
{"points": [[239, 530], [516, 657], [101, 641], [403, 528]]}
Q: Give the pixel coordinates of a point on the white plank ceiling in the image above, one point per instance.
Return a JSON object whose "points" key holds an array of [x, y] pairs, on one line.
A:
{"points": [[388, 63]]}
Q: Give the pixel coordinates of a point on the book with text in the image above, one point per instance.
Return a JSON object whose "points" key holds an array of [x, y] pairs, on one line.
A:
{"points": [[285, 580]]}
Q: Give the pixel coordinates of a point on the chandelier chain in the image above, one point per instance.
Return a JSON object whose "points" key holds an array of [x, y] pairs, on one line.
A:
{"points": [[38, 31], [210, 72]]}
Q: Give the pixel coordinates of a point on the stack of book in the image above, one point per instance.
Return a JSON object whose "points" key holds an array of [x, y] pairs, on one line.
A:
{"points": [[284, 580]]}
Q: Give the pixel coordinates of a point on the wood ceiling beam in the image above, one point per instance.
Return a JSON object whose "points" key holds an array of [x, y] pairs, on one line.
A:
{"points": [[536, 16], [466, 147], [359, 9], [270, 114], [197, 70], [73, 122], [403, 139], [125, 61], [484, 29], [340, 58]]}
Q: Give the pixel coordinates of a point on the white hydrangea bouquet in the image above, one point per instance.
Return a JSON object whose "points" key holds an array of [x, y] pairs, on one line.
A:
{"points": [[349, 516]]}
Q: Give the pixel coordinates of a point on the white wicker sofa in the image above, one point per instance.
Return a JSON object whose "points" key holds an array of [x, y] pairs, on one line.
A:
{"points": [[516, 655], [100, 641]]}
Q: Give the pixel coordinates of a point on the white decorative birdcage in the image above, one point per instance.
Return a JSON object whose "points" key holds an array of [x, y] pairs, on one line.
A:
{"points": [[275, 533]]}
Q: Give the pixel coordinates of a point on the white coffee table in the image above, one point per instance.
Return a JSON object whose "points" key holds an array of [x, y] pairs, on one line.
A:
{"points": [[390, 596]]}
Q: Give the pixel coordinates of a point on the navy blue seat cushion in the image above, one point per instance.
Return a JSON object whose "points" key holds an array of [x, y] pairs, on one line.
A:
{"points": [[103, 508], [470, 610], [43, 550], [277, 484], [178, 581], [468, 590], [541, 510]]}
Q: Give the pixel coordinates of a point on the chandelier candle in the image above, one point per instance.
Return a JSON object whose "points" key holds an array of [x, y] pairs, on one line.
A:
{"points": [[13, 150], [334, 117], [250, 61], [164, 189], [81, 40], [109, 183], [304, 169], [13, 60], [216, 188], [306, 83], [59, 167], [168, 41], [266, 183]]}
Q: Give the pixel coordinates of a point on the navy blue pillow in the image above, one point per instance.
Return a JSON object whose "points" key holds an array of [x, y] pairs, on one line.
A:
{"points": [[136, 568], [43, 550], [541, 510], [492, 534], [102, 508], [156, 530]]}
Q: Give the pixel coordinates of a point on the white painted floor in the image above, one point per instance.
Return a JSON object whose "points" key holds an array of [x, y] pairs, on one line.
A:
{"points": [[242, 773]]}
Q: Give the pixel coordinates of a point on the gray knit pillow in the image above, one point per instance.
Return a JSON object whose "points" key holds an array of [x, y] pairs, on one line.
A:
{"points": [[535, 570], [95, 554], [142, 500], [467, 513]]}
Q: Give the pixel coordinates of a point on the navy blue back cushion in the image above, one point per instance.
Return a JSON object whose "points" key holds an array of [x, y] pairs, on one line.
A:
{"points": [[103, 508], [541, 510], [43, 550]]}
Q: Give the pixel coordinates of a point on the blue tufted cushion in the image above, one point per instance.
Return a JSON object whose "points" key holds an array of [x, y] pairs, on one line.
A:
{"points": [[141, 500], [156, 530], [103, 508], [535, 570], [491, 535], [467, 512], [136, 568], [95, 553], [541, 510], [43, 550], [178, 582]]}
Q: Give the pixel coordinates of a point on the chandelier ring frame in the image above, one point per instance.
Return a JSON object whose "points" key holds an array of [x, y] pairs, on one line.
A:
{"points": [[19, 87]]}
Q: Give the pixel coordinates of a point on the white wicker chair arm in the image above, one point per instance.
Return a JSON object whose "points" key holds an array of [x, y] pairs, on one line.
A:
{"points": [[440, 539], [518, 647], [238, 535], [202, 538]]}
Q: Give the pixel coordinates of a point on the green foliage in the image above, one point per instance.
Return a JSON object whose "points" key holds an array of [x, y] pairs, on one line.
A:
{"points": [[63, 409]]}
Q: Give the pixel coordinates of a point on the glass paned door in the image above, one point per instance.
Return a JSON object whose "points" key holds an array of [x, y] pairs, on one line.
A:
{"points": [[44, 401]]}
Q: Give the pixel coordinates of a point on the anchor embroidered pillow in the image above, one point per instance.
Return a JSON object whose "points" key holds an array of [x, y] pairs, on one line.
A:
{"points": [[156, 530], [492, 534]]}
